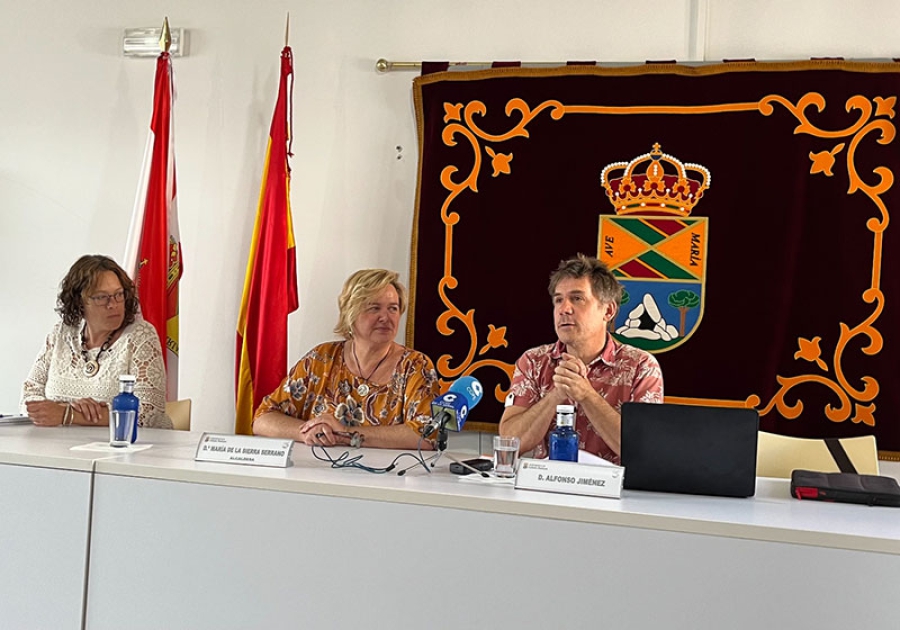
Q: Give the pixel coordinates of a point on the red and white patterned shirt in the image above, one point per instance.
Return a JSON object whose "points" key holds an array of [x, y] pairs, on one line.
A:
{"points": [[621, 373]]}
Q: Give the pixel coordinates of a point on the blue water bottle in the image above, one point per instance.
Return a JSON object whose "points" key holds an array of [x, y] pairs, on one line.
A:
{"points": [[563, 439], [125, 400]]}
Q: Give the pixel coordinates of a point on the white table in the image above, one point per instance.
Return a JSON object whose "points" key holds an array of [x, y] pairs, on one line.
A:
{"points": [[45, 494], [45, 498], [181, 544]]}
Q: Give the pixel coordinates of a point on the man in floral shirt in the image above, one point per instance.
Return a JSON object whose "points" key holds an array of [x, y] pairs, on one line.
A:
{"points": [[586, 367]]}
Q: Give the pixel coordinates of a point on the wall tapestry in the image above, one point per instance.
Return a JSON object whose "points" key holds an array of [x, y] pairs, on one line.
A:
{"points": [[744, 206]]}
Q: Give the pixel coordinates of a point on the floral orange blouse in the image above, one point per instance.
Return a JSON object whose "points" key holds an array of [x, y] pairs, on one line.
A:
{"points": [[321, 382]]}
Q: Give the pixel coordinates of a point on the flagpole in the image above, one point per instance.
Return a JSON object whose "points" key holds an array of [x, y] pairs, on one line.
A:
{"points": [[131, 264], [153, 250], [165, 37], [270, 284]]}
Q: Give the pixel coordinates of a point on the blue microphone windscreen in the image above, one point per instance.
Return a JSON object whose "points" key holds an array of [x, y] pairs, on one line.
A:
{"points": [[470, 387]]}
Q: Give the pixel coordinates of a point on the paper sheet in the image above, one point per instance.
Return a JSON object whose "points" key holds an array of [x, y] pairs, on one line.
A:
{"points": [[104, 447], [490, 480], [592, 460]]}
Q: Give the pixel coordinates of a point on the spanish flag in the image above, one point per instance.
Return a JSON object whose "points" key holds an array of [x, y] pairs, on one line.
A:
{"points": [[153, 250], [270, 286]]}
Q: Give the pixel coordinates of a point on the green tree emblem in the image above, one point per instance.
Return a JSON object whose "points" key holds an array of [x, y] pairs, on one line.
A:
{"points": [[684, 301]]}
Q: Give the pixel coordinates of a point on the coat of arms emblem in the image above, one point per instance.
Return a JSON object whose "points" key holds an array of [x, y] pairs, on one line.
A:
{"points": [[655, 248]]}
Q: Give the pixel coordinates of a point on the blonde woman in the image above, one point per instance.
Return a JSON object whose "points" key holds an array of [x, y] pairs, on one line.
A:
{"points": [[366, 390]]}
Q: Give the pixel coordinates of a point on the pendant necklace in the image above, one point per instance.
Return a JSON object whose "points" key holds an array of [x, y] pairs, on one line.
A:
{"points": [[92, 366], [363, 389]]}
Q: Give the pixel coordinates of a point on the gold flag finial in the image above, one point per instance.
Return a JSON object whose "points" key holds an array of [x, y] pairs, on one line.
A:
{"points": [[165, 38], [287, 28]]}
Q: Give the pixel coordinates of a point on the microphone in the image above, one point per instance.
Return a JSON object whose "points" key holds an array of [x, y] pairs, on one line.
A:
{"points": [[452, 408]]}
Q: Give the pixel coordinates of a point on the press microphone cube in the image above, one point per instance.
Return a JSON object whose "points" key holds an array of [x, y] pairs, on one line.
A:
{"points": [[450, 410]]}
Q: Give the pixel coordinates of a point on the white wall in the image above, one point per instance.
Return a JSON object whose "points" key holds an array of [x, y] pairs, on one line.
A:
{"points": [[74, 114]]}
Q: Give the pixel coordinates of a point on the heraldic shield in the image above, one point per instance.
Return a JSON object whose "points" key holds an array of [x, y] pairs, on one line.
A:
{"points": [[655, 248]]}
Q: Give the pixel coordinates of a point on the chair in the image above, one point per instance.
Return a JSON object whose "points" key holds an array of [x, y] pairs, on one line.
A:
{"points": [[179, 411], [779, 455]]}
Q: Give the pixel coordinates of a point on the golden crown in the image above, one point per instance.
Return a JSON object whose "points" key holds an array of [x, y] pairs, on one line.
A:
{"points": [[654, 190]]}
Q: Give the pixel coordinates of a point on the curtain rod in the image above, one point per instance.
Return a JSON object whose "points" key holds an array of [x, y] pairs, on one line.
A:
{"points": [[383, 66]]}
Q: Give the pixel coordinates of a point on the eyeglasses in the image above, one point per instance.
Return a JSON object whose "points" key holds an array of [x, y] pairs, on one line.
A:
{"points": [[103, 299]]}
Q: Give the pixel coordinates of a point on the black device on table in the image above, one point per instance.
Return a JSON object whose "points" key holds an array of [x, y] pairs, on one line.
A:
{"points": [[479, 464], [845, 487], [689, 449]]}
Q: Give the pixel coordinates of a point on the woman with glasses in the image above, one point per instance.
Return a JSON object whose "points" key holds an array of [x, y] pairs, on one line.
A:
{"points": [[100, 336]]}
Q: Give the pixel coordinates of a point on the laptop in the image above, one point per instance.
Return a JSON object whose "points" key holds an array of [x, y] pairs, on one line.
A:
{"points": [[689, 449]]}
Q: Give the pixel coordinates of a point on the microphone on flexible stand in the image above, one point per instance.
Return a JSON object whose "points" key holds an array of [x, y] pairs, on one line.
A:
{"points": [[449, 411]]}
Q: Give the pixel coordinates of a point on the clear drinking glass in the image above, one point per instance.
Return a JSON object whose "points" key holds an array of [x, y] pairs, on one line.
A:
{"points": [[506, 455], [121, 424]]}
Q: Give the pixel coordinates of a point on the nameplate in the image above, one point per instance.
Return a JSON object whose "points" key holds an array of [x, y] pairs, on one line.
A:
{"points": [[549, 475], [244, 449]]}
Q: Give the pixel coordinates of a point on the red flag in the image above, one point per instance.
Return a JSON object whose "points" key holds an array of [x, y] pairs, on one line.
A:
{"points": [[153, 253], [270, 286]]}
